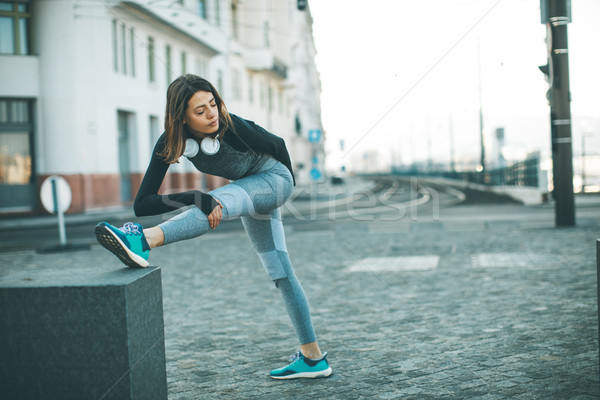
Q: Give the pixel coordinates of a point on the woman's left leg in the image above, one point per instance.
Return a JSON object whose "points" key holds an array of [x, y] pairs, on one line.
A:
{"points": [[267, 236]]}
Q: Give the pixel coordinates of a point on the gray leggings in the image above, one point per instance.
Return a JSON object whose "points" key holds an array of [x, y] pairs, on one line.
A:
{"points": [[256, 200]]}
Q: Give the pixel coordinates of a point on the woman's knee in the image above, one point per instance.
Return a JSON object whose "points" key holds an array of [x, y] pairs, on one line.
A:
{"points": [[234, 199], [266, 191]]}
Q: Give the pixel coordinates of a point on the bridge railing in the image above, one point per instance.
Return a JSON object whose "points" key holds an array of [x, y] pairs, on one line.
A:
{"points": [[524, 173]]}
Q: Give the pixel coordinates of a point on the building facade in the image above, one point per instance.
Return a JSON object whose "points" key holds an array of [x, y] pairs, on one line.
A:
{"points": [[83, 87]]}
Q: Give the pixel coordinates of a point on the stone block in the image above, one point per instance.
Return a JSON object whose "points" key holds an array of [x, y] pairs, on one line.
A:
{"points": [[82, 333]]}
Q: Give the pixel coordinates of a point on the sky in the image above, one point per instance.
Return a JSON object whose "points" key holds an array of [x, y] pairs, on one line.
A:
{"points": [[403, 78]]}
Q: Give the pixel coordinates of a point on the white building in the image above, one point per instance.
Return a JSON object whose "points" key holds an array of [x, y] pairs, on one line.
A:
{"points": [[83, 87]]}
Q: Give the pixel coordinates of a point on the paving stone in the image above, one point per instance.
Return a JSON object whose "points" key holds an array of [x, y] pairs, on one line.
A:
{"points": [[510, 310]]}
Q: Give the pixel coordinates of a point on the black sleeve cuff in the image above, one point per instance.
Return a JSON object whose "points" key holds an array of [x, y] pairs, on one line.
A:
{"points": [[207, 203]]}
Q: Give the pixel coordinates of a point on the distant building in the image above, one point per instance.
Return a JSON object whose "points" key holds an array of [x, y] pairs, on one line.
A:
{"points": [[368, 162], [497, 159], [83, 88]]}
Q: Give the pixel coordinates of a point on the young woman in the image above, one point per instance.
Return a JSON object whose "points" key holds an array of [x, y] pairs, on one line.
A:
{"points": [[218, 143]]}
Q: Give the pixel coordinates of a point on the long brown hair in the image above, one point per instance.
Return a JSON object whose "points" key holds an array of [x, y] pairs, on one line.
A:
{"points": [[179, 93]]}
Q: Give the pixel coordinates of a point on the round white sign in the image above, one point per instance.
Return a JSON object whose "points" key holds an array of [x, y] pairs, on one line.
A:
{"points": [[63, 194]]}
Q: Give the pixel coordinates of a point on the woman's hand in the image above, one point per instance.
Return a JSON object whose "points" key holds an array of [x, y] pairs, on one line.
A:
{"points": [[214, 218]]}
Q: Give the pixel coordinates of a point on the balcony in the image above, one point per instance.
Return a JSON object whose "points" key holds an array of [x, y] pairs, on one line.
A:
{"points": [[182, 21], [264, 60]]}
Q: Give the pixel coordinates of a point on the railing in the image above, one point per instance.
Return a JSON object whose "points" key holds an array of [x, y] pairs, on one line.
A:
{"points": [[279, 68], [524, 173]]}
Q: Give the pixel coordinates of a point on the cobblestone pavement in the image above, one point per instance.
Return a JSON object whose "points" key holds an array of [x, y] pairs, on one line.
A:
{"points": [[484, 303]]}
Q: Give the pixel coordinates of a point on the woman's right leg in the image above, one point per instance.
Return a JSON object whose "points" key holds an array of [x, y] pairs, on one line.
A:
{"points": [[248, 196], [253, 195], [155, 236], [189, 224], [193, 222]]}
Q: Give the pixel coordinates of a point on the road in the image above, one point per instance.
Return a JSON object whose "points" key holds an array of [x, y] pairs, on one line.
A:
{"points": [[375, 199]]}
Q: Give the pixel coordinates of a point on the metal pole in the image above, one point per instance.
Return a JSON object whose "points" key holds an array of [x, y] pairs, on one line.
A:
{"points": [[583, 163], [58, 210], [481, 134], [557, 13], [451, 125]]}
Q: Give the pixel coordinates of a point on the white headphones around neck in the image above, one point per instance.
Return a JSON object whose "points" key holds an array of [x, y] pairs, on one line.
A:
{"points": [[209, 146]]}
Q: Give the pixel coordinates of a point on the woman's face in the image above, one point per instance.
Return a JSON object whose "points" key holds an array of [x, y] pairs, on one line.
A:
{"points": [[202, 114]]}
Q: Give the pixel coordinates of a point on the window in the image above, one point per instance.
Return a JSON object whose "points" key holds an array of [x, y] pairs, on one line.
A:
{"points": [[262, 96], [15, 159], [20, 112], [115, 46], [220, 82], [183, 63], [123, 50], [298, 125], [151, 62], [126, 128], [270, 99], [132, 50], [154, 131], [201, 67], [14, 113], [266, 28], [15, 28], [234, 19], [3, 111], [217, 13], [15, 144], [168, 63], [280, 101], [250, 89], [237, 85], [202, 8]]}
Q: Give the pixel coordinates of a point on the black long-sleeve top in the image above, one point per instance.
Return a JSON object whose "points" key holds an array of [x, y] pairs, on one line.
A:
{"points": [[244, 136]]}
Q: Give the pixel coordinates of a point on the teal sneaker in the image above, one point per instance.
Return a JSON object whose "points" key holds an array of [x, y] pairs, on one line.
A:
{"points": [[128, 243], [302, 367]]}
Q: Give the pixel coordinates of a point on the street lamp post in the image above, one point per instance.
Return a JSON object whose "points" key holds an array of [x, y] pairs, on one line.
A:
{"points": [[481, 131], [583, 155], [556, 14]]}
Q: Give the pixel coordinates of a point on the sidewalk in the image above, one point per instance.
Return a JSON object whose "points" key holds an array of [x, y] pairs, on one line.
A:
{"points": [[302, 193], [489, 302]]}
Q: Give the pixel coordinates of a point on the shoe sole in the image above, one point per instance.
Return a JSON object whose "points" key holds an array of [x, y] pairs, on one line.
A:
{"points": [[320, 374], [111, 242]]}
